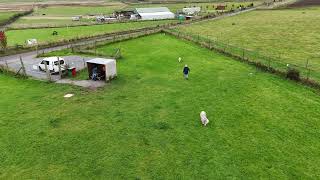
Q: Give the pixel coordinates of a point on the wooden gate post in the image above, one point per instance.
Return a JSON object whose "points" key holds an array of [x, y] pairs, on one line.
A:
{"points": [[7, 66], [22, 66], [84, 62]]}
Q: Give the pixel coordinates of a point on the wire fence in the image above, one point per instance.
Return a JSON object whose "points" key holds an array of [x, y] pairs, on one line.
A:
{"points": [[308, 73]]}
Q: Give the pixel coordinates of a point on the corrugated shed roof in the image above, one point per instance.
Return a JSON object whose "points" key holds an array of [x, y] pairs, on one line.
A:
{"points": [[101, 61], [152, 10]]}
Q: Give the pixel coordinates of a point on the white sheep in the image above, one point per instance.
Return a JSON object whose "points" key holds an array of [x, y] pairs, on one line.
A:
{"points": [[203, 118]]}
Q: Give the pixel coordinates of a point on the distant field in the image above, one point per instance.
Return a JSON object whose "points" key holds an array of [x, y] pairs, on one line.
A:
{"points": [[61, 15], [206, 7], [45, 35], [50, 1], [4, 16], [53, 1], [291, 34], [77, 10], [145, 124], [52, 15]]}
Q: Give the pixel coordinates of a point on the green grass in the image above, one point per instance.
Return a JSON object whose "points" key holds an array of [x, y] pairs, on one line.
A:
{"points": [[145, 124], [5, 16], [45, 35], [78, 10], [291, 34], [38, 23], [53, 14]]}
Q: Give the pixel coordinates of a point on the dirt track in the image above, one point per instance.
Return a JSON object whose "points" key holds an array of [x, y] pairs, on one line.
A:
{"points": [[303, 3]]}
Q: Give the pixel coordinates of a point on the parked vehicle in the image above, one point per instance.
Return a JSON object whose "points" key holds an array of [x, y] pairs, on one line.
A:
{"points": [[52, 64]]}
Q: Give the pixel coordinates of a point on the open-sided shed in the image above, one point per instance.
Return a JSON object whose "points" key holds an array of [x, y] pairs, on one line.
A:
{"points": [[102, 69]]}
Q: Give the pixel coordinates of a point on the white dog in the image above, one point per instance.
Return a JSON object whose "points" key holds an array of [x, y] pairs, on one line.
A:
{"points": [[203, 118]]}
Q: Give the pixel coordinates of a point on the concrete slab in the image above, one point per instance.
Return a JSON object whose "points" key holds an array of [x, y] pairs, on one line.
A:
{"points": [[83, 83], [30, 63]]}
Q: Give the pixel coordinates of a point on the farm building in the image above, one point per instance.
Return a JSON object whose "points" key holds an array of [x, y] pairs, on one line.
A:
{"points": [[154, 13], [123, 14], [76, 18], [31, 42], [191, 10]]}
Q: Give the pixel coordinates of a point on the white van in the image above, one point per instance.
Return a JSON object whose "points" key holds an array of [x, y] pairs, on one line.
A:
{"points": [[52, 64]]}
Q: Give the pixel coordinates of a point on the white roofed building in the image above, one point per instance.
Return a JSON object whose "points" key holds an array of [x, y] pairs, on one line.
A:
{"points": [[154, 13], [191, 10]]}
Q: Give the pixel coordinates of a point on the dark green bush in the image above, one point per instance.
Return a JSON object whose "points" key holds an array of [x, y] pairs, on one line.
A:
{"points": [[293, 74]]}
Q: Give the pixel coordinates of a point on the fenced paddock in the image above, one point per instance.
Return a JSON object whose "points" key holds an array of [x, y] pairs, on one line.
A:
{"points": [[153, 113], [308, 74]]}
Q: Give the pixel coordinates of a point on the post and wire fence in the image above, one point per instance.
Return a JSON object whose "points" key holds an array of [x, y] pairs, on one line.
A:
{"points": [[308, 72]]}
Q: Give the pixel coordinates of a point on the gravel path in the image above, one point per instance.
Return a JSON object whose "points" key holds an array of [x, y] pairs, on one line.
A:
{"points": [[31, 62]]}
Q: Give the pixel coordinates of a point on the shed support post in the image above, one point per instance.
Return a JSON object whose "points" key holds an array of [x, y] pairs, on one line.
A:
{"points": [[60, 72], [47, 71]]}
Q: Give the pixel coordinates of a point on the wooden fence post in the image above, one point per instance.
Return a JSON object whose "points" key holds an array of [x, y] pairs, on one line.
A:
{"points": [[308, 70], [7, 66], [84, 62], [37, 50], [243, 54], [23, 68], [95, 48]]}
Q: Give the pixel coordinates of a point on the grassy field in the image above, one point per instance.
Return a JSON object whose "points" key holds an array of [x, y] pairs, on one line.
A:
{"points": [[291, 34], [38, 23], [53, 14], [78, 10], [45, 35], [4, 16], [145, 124]]}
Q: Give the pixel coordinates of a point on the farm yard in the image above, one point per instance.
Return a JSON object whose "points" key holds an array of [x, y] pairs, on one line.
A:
{"points": [[144, 125], [289, 35], [206, 7], [79, 105]]}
